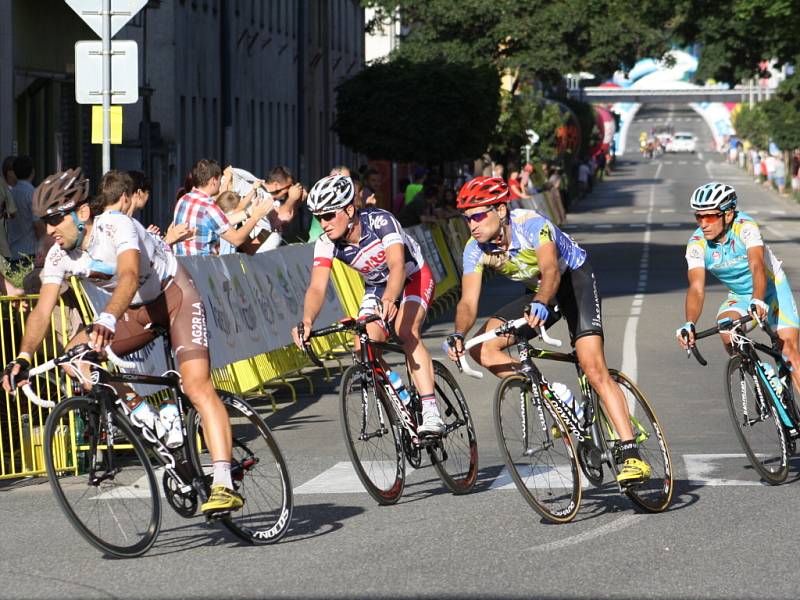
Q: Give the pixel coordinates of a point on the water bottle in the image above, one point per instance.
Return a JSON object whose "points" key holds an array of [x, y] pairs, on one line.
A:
{"points": [[145, 414], [399, 386], [564, 395], [772, 378]]}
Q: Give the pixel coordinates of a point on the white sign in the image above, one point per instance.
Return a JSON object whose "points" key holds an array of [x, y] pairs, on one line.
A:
{"points": [[89, 72], [122, 11]]}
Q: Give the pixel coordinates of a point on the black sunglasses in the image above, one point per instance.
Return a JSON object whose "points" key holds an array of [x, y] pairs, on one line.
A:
{"points": [[53, 220], [328, 216]]}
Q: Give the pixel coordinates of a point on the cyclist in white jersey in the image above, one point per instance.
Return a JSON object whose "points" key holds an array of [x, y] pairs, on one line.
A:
{"points": [[399, 285], [728, 243], [147, 287]]}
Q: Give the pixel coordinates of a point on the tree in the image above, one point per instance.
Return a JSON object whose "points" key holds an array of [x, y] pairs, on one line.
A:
{"points": [[752, 124], [533, 40], [783, 114], [737, 35], [431, 111]]}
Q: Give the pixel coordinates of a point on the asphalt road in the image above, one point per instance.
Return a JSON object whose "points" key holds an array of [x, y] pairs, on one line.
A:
{"points": [[725, 536]]}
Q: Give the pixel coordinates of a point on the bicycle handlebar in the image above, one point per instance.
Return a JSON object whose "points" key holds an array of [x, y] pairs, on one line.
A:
{"points": [[349, 324], [69, 356], [726, 325], [505, 329]]}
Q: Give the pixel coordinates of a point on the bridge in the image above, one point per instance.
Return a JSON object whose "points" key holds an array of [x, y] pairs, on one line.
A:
{"points": [[608, 95]]}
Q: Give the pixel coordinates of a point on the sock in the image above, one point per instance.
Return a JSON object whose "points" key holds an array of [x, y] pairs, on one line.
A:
{"points": [[222, 474], [630, 449], [428, 402]]}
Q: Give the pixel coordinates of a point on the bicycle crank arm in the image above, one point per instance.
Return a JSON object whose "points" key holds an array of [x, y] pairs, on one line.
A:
{"points": [[368, 436]]}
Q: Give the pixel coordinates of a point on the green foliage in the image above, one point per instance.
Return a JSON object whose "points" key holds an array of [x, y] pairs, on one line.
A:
{"points": [[520, 112], [17, 275], [539, 39], [752, 124], [590, 134], [433, 111], [736, 35]]}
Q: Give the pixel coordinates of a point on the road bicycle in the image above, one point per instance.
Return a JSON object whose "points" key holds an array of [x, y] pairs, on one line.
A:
{"points": [[381, 431], [100, 461], [545, 445], [761, 400]]}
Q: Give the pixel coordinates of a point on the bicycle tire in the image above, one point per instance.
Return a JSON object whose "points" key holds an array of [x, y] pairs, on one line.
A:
{"points": [[455, 458], [377, 455], [258, 471], [545, 472], [120, 515], [655, 494], [757, 441]]}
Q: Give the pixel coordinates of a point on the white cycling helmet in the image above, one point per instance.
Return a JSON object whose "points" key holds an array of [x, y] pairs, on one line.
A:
{"points": [[714, 195], [330, 193]]}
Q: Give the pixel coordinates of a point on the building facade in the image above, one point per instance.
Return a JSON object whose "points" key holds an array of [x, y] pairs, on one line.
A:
{"points": [[248, 82]]}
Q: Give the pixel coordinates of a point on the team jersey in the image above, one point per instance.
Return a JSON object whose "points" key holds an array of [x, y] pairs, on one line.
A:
{"points": [[379, 230], [112, 234], [728, 259], [529, 230]]}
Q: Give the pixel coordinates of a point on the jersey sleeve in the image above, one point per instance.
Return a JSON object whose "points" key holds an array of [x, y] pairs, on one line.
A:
{"points": [[54, 270], [537, 230], [387, 227], [219, 222], [323, 252], [751, 235], [471, 259], [696, 253]]}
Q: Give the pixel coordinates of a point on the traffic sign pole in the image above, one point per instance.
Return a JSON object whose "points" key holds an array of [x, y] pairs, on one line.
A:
{"points": [[106, 86]]}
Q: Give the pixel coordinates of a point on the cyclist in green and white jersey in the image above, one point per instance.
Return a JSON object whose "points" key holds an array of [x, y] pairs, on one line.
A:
{"points": [[525, 246]]}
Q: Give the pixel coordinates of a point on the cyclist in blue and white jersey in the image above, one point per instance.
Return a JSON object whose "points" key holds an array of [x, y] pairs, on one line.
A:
{"points": [[399, 285], [728, 243]]}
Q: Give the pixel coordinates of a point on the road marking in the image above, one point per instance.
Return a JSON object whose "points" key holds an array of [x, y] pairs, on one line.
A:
{"points": [[777, 212], [504, 482], [579, 538], [603, 226], [700, 467], [613, 212], [667, 210], [341, 478]]}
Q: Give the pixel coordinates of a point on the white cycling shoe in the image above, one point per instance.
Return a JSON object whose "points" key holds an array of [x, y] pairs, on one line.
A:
{"points": [[432, 424]]}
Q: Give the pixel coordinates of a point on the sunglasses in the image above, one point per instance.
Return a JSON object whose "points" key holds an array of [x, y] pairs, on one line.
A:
{"points": [[477, 217], [328, 216], [53, 220], [710, 217]]}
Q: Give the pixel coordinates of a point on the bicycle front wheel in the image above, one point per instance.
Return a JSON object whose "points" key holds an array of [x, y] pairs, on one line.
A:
{"points": [[756, 423], [258, 472], [102, 477], [537, 449], [456, 456], [372, 436], [655, 494]]}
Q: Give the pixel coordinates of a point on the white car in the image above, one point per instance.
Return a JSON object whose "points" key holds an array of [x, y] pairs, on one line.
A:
{"points": [[683, 141]]}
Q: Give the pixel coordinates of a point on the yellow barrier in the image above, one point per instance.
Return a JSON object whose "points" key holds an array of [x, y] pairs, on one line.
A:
{"points": [[22, 425]]}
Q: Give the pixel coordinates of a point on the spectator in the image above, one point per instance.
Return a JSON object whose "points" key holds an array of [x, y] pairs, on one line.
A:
{"points": [[7, 211], [234, 207], [422, 208], [399, 199], [415, 187], [8, 171], [141, 191], [796, 172], [515, 186], [292, 223], [25, 228], [372, 194], [583, 178], [770, 170], [755, 157], [780, 175], [197, 210]]}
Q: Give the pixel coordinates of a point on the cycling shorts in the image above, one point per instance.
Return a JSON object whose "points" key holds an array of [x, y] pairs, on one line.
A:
{"points": [[578, 301], [178, 309], [782, 307], [419, 288]]}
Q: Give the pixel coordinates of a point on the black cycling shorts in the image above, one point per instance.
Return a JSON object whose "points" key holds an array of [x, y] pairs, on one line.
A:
{"points": [[578, 301]]}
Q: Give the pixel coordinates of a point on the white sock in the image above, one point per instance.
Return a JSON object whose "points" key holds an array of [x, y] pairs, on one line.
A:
{"points": [[222, 474], [429, 404]]}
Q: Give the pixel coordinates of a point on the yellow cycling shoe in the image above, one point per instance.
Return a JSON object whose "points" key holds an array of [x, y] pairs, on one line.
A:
{"points": [[222, 499], [634, 470]]}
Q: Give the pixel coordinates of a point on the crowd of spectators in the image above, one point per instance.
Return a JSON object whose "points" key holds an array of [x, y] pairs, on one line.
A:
{"points": [[770, 167]]}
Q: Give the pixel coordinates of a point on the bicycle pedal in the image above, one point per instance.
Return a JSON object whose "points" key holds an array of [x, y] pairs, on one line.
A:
{"points": [[217, 515]]}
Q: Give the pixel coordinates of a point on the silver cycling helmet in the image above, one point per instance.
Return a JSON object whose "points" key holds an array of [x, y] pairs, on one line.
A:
{"points": [[330, 193], [714, 195]]}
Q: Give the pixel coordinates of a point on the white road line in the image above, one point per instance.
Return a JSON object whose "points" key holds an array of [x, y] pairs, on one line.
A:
{"points": [[579, 538], [777, 212], [341, 479], [667, 210], [603, 226], [700, 467], [700, 155]]}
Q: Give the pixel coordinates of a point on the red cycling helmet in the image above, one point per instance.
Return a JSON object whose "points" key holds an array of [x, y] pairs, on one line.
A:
{"points": [[482, 191]]}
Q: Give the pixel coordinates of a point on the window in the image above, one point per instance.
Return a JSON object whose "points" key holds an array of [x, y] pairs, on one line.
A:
{"points": [[214, 128], [206, 150], [253, 134], [261, 137], [270, 135], [193, 133], [183, 154], [234, 152], [278, 4]]}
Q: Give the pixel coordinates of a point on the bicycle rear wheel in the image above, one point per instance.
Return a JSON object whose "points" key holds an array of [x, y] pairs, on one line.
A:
{"points": [[372, 436], [756, 423], [537, 450], [258, 471], [108, 492], [655, 494], [456, 456]]}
